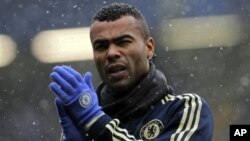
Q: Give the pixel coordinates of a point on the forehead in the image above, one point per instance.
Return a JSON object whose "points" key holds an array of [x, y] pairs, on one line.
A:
{"points": [[112, 29]]}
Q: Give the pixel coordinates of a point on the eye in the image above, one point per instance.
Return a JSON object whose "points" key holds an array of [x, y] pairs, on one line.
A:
{"points": [[123, 42], [101, 45]]}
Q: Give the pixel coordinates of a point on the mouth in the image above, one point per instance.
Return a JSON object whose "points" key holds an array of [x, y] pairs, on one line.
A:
{"points": [[116, 71]]}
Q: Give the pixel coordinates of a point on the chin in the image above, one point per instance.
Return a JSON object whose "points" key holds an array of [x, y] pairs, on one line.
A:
{"points": [[120, 86]]}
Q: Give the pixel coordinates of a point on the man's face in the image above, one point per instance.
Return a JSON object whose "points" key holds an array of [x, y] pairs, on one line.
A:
{"points": [[120, 53]]}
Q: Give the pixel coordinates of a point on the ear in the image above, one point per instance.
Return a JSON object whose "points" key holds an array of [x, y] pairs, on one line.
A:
{"points": [[150, 47]]}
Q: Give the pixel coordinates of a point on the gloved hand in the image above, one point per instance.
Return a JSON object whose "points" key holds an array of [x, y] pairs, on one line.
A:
{"points": [[70, 132], [77, 94]]}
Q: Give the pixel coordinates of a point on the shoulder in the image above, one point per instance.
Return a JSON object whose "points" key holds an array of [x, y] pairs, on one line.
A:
{"points": [[189, 113], [188, 104], [186, 116], [186, 98]]}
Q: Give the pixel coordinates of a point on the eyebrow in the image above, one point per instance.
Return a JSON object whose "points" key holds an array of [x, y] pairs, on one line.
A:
{"points": [[113, 39], [122, 37]]}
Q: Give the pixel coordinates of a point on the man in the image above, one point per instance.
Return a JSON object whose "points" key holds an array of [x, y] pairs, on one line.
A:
{"points": [[134, 101]]}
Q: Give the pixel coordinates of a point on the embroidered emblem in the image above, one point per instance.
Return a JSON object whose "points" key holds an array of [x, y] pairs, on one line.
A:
{"points": [[85, 99], [151, 130]]}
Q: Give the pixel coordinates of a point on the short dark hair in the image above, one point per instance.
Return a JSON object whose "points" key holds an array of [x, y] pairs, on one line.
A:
{"points": [[118, 10]]}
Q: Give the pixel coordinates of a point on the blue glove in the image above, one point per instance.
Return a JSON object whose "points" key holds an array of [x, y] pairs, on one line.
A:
{"points": [[77, 94], [70, 132]]}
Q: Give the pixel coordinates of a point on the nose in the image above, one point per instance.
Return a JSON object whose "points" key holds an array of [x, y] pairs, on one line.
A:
{"points": [[113, 53]]}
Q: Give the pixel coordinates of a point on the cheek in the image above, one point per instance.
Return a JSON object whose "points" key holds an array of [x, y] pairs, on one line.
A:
{"points": [[98, 58], [140, 56], [138, 59], [99, 63]]}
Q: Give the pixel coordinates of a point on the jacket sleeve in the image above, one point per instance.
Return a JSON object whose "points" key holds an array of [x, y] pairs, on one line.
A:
{"points": [[190, 120], [108, 129]]}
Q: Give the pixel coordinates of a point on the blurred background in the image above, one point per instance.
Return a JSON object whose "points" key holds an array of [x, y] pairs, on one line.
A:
{"points": [[202, 46]]}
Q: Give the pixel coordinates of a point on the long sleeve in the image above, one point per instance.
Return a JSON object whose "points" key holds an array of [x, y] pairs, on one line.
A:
{"points": [[189, 118], [109, 129]]}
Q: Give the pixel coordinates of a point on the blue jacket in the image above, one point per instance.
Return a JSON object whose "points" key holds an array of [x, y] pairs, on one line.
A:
{"points": [[184, 117], [155, 113]]}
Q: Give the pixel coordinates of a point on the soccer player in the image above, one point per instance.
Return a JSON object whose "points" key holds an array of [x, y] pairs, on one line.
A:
{"points": [[134, 101]]}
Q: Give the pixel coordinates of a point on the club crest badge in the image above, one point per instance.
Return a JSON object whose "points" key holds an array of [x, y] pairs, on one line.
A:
{"points": [[85, 99], [151, 130]]}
